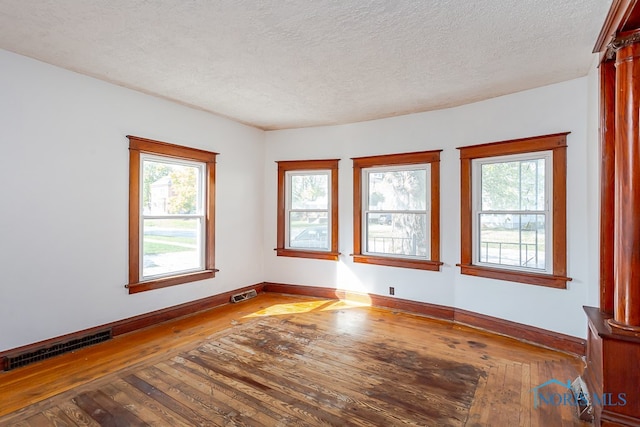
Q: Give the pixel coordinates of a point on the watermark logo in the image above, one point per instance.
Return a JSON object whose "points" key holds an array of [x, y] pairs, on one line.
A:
{"points": [[545, 395]]}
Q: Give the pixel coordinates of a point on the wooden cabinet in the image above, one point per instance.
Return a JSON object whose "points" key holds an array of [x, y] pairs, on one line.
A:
{"points": [[612, 374]]}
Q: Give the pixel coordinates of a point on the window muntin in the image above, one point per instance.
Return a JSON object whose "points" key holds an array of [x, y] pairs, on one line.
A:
{"points": [[178, 223], [512, 215], [172, 220], [307, 222], [396, 216], [308, 218]]}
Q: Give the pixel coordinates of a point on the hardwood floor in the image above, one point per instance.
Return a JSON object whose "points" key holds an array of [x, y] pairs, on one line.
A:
{"points": [[280, 360]]}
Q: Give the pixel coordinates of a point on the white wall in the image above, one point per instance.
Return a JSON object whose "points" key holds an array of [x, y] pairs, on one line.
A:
{"points": [[556, 108], [64, 199]]}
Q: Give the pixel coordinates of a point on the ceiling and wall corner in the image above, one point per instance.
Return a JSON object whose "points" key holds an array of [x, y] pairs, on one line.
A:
{"points": [[275, 65]]}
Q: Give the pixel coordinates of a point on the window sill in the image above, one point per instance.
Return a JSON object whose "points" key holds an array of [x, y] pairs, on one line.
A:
{"points": [[398, 262], [331, 256], [164, 282], [548, 280]]}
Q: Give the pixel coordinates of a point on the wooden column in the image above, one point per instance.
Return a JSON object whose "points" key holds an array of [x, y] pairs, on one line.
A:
{"points": [[626, 313], [613, 341], [607, 182]]}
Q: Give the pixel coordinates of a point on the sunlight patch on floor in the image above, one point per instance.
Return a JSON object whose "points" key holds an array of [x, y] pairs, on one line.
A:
{"points": [[305, 307]]}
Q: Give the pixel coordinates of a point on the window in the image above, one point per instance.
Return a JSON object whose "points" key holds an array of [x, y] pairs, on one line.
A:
{"points": [[308, 209], [513, 210], [171, 214], [397, 210]]}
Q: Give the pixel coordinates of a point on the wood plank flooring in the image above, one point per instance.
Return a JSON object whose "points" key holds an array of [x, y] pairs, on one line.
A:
{"points": [[280, 360]]}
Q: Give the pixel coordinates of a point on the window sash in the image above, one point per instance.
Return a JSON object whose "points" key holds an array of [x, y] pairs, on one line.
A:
{"points": [[478, 212], [289, 175], [367, 212], [202, 171]]}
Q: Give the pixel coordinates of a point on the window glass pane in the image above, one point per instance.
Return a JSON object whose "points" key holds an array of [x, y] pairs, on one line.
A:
{"points": [[532, 185], [170, 188], [398, 190], [171, 245], [517, 185], [398, 234], [512, 239], [309, 191], [309, 230]]}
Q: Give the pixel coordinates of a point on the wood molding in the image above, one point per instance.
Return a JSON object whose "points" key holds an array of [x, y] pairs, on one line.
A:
{"points": [[435, 211], [357, 210], [164, 282], [332, 256], [134, 216], [418, 264], [515, 146], [560, 213], [621, 13], [417, 307], [548, 280], [466, 206], [315, 164], [599, 320], [142, 321], [134, 323], [146, 145], [417, 157], [519, 331], [426, 309]]}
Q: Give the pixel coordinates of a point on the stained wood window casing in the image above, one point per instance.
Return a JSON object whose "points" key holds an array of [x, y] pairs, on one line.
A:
{"points": [[287, 169], [399, 161], [556, 143], [139, 147]]}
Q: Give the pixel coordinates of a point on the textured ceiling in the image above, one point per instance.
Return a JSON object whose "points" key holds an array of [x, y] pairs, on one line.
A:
{"points": [[292, 63]]}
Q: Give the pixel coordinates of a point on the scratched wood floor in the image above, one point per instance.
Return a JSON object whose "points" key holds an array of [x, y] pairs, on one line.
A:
{"points": [[282, 361]]}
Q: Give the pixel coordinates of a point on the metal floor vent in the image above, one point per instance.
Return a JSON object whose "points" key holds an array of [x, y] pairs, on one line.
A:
{"points": [[24, 359], [244, 295], [584, 406]]}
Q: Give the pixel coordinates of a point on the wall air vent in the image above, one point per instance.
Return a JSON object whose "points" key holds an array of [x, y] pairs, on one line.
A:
{"points": [[23, 359], [244, 295]]}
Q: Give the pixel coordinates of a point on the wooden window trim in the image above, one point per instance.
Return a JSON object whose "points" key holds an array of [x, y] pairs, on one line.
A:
{"points": [[137, 146], [557, 143], [422, 157], [285, 166]]}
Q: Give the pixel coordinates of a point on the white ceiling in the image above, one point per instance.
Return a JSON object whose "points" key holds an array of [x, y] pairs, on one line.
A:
{"points": [[278, 64]]}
